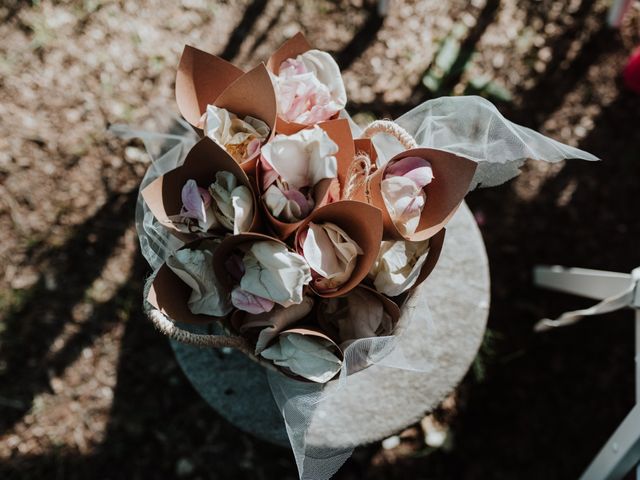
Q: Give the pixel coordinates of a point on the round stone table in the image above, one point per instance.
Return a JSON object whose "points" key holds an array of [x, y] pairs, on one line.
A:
{"points": [[376, 402]]}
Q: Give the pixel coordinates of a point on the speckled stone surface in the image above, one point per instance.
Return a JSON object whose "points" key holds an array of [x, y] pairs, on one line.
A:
{"points": [[379, 401]]}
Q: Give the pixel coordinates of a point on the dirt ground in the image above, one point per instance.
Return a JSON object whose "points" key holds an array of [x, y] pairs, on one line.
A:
{"points": [[89, 390]]}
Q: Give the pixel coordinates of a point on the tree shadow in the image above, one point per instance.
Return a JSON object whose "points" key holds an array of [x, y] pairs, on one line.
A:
{"points": [[46, 307], [250, 17], [158, 426], [468, 47], [419, 93], [361, 40], [560, 75]]}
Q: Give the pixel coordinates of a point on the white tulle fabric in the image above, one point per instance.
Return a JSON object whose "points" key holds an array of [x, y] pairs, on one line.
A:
{"points": [[467, 126]]}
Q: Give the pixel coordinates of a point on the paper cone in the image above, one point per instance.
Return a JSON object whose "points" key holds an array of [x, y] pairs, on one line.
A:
{"points": [[363, 223], [452, 176], [200, 79], [435, 248], [226, 248], [365, 145], [262, 328], [389, 306], [252, 94], [204, 160], [340, 132], [312, 332], [293, 47], [170, 295]]}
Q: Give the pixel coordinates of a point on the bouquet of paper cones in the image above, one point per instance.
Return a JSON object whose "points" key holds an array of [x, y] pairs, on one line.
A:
{"points": [[296, 239]]}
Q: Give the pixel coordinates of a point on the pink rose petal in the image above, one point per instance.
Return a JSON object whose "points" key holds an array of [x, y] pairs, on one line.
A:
{"points": [[250, 303], [405, 165], [195, 201], [300, 199]]}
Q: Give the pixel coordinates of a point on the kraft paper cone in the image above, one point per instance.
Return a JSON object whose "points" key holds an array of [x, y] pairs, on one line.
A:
{"points": [[435, 248], [262, 328], [389, 306], [200, 79], [363, 223], [164, 195], [340, 132], [251, 94], [293, 47], [312, 332], [170, 295], [226, 248], [452, 177], [365, 145]]}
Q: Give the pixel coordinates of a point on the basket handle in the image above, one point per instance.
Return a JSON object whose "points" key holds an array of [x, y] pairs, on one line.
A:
{"points": [[390, 128], [361, 168], [168, 327]]}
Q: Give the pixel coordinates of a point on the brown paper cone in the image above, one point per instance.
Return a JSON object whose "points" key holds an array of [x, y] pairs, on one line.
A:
{"points": [[340, 132], [293, 47], [200, 79], [389, 306], [363, 223], [251, 95], [170, 295], [452, 176], [164, 195], [268, 325], [435, 248]]}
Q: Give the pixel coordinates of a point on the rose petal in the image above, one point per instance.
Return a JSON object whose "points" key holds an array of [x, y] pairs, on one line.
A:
{"points": [[307, 356], [195, 268], [240, 137], [275, 273], [404, 200], [248, 302], [398, 266], [331, 253], [302, 159], [309, 88], [233, 203], [301, 200]]}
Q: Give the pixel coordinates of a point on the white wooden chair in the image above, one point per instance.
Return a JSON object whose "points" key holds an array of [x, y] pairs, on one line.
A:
{"points": [[615, 291]]}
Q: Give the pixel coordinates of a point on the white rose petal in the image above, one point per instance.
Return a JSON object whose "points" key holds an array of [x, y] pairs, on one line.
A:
{"points": [[280, 206], [233, 203], [398, 266], [309, 357], [325, 68], [331, 253], [231, 132], [273, 272], [195, 268], [304, 158], [404, 201]]}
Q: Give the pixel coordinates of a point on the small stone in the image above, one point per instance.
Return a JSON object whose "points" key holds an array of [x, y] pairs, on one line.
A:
{"points": [[391, 442]]}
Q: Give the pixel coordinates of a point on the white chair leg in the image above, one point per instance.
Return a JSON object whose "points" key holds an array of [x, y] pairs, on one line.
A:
{"points": [[620, 454]]}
